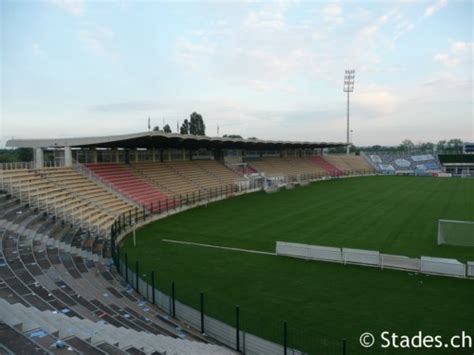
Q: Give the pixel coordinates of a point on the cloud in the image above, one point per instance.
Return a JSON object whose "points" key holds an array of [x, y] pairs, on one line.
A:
{"points": [[36, 50], [97, 39], [460, 52], [192, 55], [269, 18], [432, 9], [128, 106], [74, 7], [332, 14], [377, 100]]}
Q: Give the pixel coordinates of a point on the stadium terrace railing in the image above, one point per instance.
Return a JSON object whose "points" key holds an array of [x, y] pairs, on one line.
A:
{"points": [[75, 194], [16, 165], [83, 170], [32, 197]]}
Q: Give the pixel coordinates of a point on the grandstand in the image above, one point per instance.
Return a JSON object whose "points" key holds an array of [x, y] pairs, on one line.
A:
{"points": [[65, 276], [59, 220], [458, 164], [404, 162], [57, 291]]}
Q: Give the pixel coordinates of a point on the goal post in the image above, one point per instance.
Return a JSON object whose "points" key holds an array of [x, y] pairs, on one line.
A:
{"points": [[459, 233]]}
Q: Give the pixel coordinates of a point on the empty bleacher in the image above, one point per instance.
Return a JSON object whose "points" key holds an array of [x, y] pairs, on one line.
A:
{"points": [[287, 166], [70, 179], [225, 175], [166, 178], [192, 171], [328, 167], [185, 177], [348, 163], [389, 162], [124, 179], [58, 295], [67, 194], [91, 337]]}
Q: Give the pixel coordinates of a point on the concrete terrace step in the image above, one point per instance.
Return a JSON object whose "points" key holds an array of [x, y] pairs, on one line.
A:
{"points": [[29, 318]]}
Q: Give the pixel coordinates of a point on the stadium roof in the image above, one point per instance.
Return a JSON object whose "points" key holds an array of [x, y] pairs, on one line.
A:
{"points": [[165, 140]]}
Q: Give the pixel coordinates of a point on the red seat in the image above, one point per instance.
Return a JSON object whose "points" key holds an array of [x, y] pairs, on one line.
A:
{"points": [[328, 167], [127, 182]]}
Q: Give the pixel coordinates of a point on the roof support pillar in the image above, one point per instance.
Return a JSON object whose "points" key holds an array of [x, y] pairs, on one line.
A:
{"points": [[94, 155], [67, 156], [38, 158]]}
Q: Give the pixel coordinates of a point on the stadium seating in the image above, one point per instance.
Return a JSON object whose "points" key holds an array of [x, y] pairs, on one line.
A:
{"points": [[328, 167], [58, 294], [318, 165], [289, 166], [127, 182], [391, 162], [69, 194], [86, 188], [348, 163], [225, 175], [165, 178], [183, 177], [196, 173]]}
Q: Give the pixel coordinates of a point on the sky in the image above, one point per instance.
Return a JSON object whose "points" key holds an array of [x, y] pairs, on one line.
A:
{"points": [[272, 70]]}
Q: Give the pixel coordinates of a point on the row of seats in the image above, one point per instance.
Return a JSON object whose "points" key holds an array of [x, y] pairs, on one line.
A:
{"points": [[290, 166], [348, 163], [318, 165], [389, 162], [183, 177], [68, 194], [124, 179], [58, 295], [326, 165]]}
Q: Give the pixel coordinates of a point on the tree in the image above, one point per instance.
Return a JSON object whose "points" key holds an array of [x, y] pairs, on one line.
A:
{"points": [[426, 147], [441, 146], [232, 136], [455, 145], [156, 129], [253, 138], [184, 127], [407, 145], [167, 128], [25, 154], [196, 125]]}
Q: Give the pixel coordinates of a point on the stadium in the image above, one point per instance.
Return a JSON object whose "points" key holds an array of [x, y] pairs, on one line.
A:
{"points": [[239, 245], [207, 177]]}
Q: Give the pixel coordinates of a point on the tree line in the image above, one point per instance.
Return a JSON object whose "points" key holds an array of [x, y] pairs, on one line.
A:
{"points": [[195, 126], [445, 146]]}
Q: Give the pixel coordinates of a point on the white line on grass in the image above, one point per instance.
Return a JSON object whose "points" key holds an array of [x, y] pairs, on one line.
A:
{"points": [[217, 247]]}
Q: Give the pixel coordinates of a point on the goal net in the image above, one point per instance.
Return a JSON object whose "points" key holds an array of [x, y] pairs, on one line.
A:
{"points": [[459, 233]]}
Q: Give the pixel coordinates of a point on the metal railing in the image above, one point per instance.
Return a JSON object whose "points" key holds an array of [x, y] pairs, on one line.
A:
{"points": [[16, 165], [85, 171], [32, 196]]}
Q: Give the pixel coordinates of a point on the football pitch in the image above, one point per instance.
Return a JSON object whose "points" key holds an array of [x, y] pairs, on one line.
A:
{"points": [[322, 302]]}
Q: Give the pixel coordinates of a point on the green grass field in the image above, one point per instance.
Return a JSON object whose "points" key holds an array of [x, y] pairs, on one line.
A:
{"points": [[322, 302]]}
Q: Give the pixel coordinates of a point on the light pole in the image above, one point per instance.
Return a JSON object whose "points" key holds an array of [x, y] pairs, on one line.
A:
{"points": [[348, 87], [352, 136]]}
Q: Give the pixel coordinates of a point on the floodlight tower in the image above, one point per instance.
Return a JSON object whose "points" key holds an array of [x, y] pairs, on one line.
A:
{"points": [[348, 87]]}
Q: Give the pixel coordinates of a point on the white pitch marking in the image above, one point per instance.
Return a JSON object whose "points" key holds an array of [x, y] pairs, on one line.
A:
{"points": [[218, 247]]}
